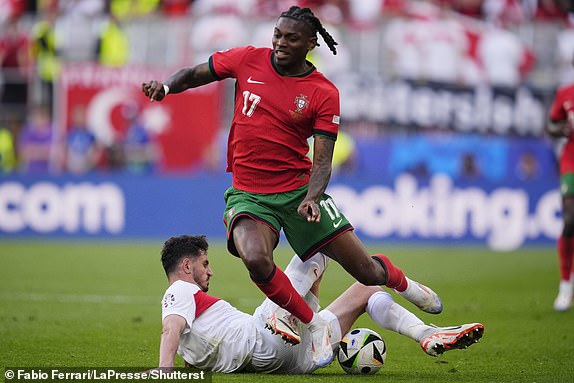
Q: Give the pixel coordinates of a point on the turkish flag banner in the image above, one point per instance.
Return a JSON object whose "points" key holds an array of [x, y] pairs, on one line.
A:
{"points": [[184, 126]]}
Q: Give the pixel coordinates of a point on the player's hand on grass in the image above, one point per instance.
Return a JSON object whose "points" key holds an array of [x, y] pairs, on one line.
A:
{"points": [[154, 90], [310, 210]]}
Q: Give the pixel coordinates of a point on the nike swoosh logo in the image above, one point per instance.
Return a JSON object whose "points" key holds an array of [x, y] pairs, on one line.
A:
{"points": [[250, 81], [336, 224]]}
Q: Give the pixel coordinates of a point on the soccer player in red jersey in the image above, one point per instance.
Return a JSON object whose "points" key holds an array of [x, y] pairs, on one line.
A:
{"points": [[280, 101], [561, 124]]}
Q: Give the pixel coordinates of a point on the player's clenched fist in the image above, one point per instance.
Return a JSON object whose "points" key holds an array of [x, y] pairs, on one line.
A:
{"points": [[154, 90]]}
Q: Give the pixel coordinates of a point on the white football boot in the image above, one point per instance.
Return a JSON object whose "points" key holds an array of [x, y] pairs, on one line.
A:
{"points": [[442, 339], [422, 297], [563, 301], [284, 324], [320, 341]]}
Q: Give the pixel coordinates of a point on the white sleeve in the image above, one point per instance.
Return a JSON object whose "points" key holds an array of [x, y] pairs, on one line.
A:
{"points": [[179, 299]]}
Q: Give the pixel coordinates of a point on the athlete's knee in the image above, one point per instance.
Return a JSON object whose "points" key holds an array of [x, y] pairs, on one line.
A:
{"points": [[259, 264]]}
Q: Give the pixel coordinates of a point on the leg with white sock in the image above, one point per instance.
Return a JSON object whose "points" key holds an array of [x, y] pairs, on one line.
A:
{"points": [[388, 314], [304, 274], [391, 316]]}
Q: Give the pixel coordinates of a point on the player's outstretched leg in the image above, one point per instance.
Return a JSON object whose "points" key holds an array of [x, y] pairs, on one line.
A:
{"points": [[302, 275], [441, 339], [417, 293]]}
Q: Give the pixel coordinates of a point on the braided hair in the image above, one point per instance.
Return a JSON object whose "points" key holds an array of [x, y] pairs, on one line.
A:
{"points": [[305, 15]]}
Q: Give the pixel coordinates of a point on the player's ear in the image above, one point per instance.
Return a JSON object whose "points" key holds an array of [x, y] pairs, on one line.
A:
{"points": [[186, 265], [312, 43]]}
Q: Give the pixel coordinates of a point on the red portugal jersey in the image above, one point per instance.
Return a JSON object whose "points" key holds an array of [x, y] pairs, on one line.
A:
{"points": [[273, 117], [562, 109]]}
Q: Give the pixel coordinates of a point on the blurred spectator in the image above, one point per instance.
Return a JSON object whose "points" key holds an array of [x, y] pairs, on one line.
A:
{"points": [[503, 13], [176, 7], [565, 54], [549, 10], [443, 49], [527, 168], [14, 51], [470, 8], [323, 59], [45, 52], [141, 150], [11, 9], [112, 47], [82, 150], [504, 58], [81, 8], [8, 133], [365, 13], [221, 7], [344, 154], [216, 32], [403, 39], [469, 168], [125, 9], [35, 142]]}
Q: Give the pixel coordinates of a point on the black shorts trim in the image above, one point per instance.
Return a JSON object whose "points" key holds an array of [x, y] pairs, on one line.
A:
{"points": [[319, 245], [231, 245]]}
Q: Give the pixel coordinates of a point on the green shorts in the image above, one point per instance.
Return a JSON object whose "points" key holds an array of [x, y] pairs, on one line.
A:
{"points": [[279, 211], [567, 184]]}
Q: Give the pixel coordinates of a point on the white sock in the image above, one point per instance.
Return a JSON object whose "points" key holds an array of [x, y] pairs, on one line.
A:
{"points": [[391, 316], [304, 274], [313, 302]]}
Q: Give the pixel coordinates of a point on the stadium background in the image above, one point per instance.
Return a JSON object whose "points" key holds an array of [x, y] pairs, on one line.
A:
{"points": [[443, 110]]}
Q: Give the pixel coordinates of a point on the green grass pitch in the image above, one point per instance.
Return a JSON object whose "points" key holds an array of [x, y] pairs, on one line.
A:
{"points": [[89, 304]]}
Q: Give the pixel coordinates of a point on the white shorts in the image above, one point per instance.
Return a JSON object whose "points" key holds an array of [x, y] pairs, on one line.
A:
{"points": [[271, 354]]}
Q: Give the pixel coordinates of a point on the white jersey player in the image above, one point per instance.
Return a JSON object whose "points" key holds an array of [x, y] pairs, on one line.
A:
{"points": [[212, 335]]}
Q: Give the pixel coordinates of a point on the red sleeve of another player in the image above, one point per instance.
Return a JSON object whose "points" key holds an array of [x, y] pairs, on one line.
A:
{"points": [[226, 63], [203, 301], [328, 115]]}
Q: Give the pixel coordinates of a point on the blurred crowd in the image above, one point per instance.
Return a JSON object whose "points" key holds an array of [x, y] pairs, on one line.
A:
{"points": [[461, 42]]}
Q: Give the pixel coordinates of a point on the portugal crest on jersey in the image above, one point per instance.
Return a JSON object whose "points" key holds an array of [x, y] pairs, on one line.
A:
{"points": [[301, 103]]}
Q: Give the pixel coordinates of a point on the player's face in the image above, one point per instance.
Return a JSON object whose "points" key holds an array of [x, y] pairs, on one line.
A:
{"points": [[201, 271], [291, 42]]}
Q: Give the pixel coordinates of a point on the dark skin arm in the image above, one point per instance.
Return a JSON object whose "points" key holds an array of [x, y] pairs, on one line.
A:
{"points": [[320, 175], [183, 79], [558, 129]]}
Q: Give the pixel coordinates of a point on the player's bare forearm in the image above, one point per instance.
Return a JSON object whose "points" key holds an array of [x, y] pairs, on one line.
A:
{"points": [[168, 348], [183, 79], [558, 129], [319, 180], [171, 330], [187, 78]]}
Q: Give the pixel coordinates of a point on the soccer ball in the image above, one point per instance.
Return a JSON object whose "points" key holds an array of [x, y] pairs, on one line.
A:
{"points": [[362, 351]]}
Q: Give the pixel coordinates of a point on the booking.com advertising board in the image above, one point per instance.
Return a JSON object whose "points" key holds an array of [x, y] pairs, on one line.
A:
{"points": [[501, 216]]}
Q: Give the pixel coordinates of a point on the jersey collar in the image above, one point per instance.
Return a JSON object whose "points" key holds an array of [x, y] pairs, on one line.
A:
{"points": [[307, 72]]}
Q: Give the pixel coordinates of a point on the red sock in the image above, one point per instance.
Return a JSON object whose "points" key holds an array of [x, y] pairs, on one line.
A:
{"points": [[565, 255], [279, 289], [395, 277]]}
